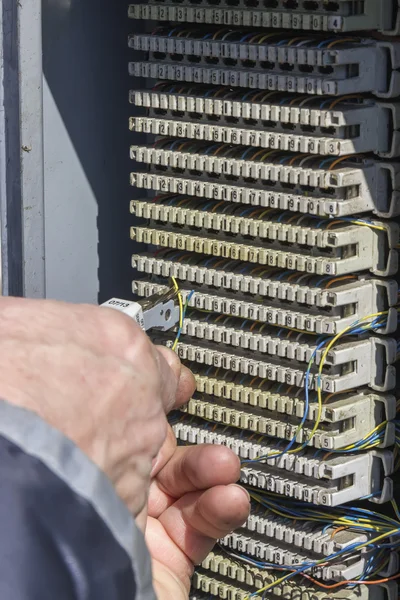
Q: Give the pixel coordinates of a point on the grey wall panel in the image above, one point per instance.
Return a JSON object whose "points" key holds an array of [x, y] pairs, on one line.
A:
{"points": [[87, 140], [21, 152], [71, 215]]}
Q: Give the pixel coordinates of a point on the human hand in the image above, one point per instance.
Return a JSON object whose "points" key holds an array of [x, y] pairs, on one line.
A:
{"points": [[192, 502], [93, 374]]}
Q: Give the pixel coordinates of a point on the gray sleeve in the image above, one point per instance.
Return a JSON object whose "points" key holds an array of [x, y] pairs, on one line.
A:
{"points": [[36, 439]]}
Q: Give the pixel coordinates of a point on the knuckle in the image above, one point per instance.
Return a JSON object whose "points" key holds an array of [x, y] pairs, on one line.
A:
{"points": [[119, 328]]}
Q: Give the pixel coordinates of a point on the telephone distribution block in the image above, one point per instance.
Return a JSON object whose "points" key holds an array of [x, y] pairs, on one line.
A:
{"points": [[275, 163], [220, 589], [301, 123], [320, 247], [223, 576], [319, 15], [385, 205], [307, 536], [270, 550], [305, 476], [346, 418], [275, 541], [269, 61], [263, 339], [303, 303], [261, 255], [298, 183], [366, 362], [363, 370]]}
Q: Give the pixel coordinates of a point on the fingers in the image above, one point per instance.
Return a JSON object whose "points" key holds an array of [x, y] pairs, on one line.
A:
{"points": [[186, 382], [163, 550], [190, 469], [167, 451], [197, 519]]}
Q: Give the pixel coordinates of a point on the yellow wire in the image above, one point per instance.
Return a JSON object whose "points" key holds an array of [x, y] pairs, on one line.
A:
{"points": [[181, 309], [323, 359], [319, 389], [322, 560]]}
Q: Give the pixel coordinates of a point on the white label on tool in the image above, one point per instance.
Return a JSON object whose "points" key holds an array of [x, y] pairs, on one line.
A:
{"points": [[131, 309]]}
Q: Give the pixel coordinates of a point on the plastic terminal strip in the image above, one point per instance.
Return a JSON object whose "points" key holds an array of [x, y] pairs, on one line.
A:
{"points": [[309, 537], [372, 15], [366, 66], [271, 550], [378, 375], [356, 188], [312, 537], [220, 574], [345, 419], [299, 305], [363, 360], [257, 254], [348, 249], [366, 362], [329, 482], [350, 127]]}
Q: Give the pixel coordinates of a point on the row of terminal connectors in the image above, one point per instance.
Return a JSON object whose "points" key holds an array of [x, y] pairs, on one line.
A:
{"points": [[350, 364], [313, 125], [299, 183], [305, 476], [303, 302], [270, 61], [315, 245], [315, 15], [346, 418], [224, 577]]}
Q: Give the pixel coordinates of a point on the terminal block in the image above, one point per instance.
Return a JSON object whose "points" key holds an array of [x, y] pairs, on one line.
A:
{"points": [[273, 182], [224, 577], [275, 541], [362, 368], [324, 126], [298, 183], [302, 302], [305, 476], [372, 365], [271, 62], [270, 550], [366, 362], [309, 15], [307, 245], [346, 418]]}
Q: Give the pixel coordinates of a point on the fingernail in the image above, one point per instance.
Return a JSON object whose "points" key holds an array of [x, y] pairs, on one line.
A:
{"points": [[243, 490]]}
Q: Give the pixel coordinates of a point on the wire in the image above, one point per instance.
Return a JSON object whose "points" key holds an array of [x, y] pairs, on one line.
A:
{"points": [[181, 312]]}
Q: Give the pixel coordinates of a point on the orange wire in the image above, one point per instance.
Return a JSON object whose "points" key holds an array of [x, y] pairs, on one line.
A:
{"points": [[218, 205], [328, 285], [343, 528], [337, 161], [291, 161], [218, 150], [342, 41], [333, 223], [298, 39], [351, 582], [339, 100]]}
